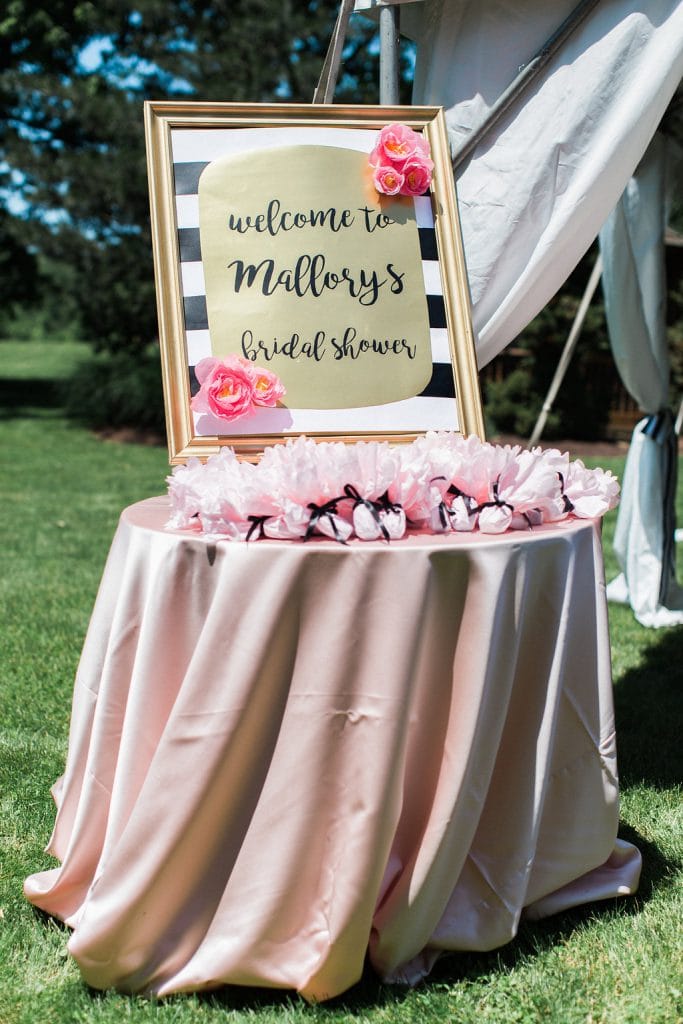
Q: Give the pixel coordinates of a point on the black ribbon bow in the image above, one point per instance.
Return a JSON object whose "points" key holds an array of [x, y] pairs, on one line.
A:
{"points": [[257, 523], [318, 512], [373, 507], [568, 506], [497, 500]]}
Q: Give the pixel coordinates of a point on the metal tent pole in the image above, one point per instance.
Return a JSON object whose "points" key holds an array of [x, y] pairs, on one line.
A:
{"points": [[389, 22], [568, 351], [526, 76]]}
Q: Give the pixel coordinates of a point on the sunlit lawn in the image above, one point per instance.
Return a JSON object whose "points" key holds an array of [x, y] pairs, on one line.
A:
{"points": [[62, 490]]}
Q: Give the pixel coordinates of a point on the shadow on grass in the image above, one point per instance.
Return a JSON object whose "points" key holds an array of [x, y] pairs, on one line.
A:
{"points": [[533, 939], [649, 715], [22, 396], [43, 398], [369, 993]]}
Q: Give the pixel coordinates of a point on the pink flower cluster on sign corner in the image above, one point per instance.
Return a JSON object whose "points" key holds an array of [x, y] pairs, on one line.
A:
{"points": [[232, 388], [401, 164]]}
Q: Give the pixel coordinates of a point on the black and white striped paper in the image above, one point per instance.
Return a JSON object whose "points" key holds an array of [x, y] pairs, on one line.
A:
{"points": [[433, 409]]}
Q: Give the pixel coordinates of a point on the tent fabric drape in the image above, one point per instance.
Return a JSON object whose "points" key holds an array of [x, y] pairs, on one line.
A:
{"points": [[538, 188], [634, 283]]}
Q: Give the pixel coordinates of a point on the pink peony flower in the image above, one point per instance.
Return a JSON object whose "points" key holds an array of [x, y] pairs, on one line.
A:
{"points": [[387, 179], [400, 162], [422, 148], [376, 159], [417, 176], [268, 388], [227, 388], [396, 143]]}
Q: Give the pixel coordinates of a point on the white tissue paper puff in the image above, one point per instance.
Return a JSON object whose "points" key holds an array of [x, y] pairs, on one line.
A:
{"points": [[439, 483]]}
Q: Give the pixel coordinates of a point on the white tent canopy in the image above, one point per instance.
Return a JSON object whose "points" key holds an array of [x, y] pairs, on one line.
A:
{"points": [[539, 186]]}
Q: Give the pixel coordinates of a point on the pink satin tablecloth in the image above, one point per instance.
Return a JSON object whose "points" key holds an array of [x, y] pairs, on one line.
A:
{"points": [[283, 755]]}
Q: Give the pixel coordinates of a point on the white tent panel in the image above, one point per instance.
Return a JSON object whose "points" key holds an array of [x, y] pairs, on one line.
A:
{"points": [[538, 188]]}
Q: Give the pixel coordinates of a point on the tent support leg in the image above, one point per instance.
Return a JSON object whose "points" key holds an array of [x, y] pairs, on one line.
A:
{"points": [[324, 91], [567, 351], [679, 419]]}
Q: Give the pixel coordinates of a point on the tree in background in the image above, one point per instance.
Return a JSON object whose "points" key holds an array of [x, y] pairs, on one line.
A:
{"points": [[73, 76], [74, 209], [18, 266]]}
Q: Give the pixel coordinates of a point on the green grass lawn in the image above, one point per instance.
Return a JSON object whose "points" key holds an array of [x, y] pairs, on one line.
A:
{"points": [[62, 491]]}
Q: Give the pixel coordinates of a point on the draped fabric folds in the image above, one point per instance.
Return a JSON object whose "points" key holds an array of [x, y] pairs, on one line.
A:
{"points": [[632, 246], [283, 756]]}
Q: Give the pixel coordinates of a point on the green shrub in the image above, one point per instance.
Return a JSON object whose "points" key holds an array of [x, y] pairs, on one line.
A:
{"points": [[515, 384], [121, 389], [512, 406]]}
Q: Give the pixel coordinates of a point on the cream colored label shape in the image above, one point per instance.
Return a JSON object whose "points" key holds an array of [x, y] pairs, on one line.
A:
{"points": [[311, 274]]}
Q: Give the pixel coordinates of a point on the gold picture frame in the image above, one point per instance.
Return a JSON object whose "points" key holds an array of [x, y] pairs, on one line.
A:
{"points": [[240, 142]]}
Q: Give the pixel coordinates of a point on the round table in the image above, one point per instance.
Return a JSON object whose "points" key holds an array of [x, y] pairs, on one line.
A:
{"points": [[285, 755]]}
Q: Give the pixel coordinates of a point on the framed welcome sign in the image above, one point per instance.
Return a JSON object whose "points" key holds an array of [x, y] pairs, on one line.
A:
{"points": [[300, 290]]}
